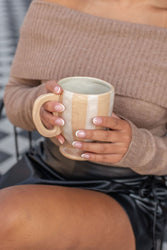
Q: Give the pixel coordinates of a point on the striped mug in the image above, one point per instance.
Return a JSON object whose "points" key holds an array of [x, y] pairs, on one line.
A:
{"points": [[83, 98]]}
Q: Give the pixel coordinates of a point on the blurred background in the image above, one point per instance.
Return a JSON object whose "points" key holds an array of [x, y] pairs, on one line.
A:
{"points": [[12, 14]]}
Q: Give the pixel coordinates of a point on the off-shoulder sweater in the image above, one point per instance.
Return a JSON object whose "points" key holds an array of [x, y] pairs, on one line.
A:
{"points": [[57, 42]]}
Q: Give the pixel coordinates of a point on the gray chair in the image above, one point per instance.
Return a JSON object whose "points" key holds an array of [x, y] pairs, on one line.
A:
{"points": [[18, 172], [29, 134], [1, 107]]}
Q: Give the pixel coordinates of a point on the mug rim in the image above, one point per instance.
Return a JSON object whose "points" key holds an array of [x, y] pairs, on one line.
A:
{"points": [[112, 89]]}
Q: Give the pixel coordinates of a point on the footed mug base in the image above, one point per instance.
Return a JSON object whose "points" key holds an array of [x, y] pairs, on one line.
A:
{"points": [[70, 152]]}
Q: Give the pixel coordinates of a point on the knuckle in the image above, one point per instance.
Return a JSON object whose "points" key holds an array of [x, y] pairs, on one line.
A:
{"points": [[105, 120], [49, 126], [100, 149], [52, 120], [115, 123], [47, 85], [105, 158], [42, 111], [111, 136], [107, 135], [85, 146], [46, 105], [49, 119], [104, 148], [50, 85], [91, 135], [46, 124]]}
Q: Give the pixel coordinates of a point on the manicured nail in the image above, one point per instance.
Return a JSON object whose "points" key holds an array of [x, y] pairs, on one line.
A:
{"points": [[77, 144], [57, 89], [80, 133], [85, 156], [97, 120], [59, 107], [61, 140], [59, 122]]}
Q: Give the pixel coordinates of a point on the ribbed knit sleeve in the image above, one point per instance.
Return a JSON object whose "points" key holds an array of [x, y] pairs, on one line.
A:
{"points": [[20, 95], [147, 154], [57, 42]]}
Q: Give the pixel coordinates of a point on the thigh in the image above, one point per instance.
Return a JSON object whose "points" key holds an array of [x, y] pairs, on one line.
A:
{"points": [[55, 217]]}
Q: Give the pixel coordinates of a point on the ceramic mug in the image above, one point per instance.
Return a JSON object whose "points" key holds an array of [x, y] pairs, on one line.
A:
{"points": [[83, 98]]}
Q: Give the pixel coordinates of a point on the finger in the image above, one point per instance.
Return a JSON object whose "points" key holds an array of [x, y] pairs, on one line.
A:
{"points": [[105, 158], [110, 122], [114, 115], [48, 118], [52, 106], [53, 87], [47, 125], [101, 135], [101, 148]]}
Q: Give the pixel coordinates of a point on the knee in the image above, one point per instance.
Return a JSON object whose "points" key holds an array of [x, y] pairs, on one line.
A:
{"points": [[13, 215]]}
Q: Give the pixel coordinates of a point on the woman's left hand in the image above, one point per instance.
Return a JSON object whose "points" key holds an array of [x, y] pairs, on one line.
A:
{"points": [[108, 146]]}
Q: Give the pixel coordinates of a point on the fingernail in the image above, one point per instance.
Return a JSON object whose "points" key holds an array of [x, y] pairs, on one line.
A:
{"points": [[85, 156], [80, 133], [61, 140], [59, 122], [59, 107], [77, 144], [97, 120], [57, 89]]}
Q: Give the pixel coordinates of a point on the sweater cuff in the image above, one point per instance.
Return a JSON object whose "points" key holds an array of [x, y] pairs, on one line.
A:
{"points": [[140, 151]]}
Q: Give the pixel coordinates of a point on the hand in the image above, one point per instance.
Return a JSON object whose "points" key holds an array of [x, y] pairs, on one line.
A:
{"points": [[107, 146], [47, 117]]}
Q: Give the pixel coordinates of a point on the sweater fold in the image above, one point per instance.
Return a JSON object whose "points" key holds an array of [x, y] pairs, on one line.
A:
{"points": [[57, 42]]}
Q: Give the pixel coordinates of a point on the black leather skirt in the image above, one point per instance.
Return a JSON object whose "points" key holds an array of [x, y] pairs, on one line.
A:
{"points": [[144, 198]]}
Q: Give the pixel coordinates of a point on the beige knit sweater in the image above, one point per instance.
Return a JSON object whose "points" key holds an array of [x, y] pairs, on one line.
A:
{"points": [[57, 42]]}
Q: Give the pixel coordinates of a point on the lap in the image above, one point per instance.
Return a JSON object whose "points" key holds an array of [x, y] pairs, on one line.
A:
{"points": [[64, 216]]}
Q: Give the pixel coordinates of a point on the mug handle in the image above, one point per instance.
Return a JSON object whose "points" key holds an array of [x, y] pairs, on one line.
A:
{"points": [[36, 115]]}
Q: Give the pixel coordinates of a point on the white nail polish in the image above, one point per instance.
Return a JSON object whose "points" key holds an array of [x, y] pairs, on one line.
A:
{"points": [[80, 133], [77, 144], [97, 120], [85, 156], [61, 141], [57, 89], [59, 107], [59, 122]]}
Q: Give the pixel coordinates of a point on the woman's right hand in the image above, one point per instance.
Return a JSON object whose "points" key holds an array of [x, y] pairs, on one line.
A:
{"points": [[47, 116]]}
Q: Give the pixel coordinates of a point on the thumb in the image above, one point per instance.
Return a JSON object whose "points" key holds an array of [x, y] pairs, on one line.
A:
{"points": [[115, 116]]}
